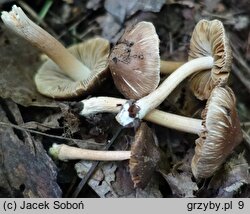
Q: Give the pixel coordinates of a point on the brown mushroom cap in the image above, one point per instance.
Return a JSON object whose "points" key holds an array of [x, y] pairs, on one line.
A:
{"points": [[209, 39], [144, 157], [93, 53], [221, 134], [135, 61]]}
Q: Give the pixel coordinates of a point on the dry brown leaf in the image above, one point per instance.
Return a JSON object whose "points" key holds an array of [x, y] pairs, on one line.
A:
{"points": [[19, 62], [151, 191], [229, 180], [181, 184], [26, 170]]}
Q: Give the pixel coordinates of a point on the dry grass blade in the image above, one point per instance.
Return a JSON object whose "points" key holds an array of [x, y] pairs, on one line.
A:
{"points": [[246, 139], [36, 17]]}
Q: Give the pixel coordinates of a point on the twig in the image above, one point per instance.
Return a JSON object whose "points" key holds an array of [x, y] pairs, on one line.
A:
{"points": [[170, 43], [225, 17], [73, 26], [86, 32], [48, 135], [246, 139], [94, 165], [241, 77], [244, 124], [244, 70], [248, 47], [239, 58]]}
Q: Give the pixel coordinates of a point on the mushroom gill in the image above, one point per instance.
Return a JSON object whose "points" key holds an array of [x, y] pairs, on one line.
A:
{"points": [[209, 39], [221, 133], [53, 82]]}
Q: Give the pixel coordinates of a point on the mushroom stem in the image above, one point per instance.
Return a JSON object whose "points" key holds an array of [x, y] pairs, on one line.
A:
{"points": [[96, 105], [168, 67], [17, 21], [174, 121], [154, 99], [65, 152]]}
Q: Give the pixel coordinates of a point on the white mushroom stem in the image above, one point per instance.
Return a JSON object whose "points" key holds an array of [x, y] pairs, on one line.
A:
{"points": [[113, 105], [64, 152], [17, 21], [154, 99], [168, 67]]}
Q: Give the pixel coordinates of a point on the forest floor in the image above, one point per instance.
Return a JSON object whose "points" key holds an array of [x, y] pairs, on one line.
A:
{"points": [[30, 122]]}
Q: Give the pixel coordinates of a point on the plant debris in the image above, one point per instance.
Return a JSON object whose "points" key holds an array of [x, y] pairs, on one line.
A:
{"points": [[30, 123]]}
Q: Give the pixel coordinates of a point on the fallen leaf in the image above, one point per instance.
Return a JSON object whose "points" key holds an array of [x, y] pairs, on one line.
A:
{"points": [[181, 184], [211, 5], [111, 29], [94, 4], [151, 191], [231, 177], [121, 9], [26, 170], [4, 1], [19, 62], [101, 180], [124, 187]]}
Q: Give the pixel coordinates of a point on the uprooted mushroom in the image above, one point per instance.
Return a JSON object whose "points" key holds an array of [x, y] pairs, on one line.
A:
{"points": [[144, 156], [205, 33], [221, 103], [76, 71], [216, 60], [219, 130], [69, 72]]}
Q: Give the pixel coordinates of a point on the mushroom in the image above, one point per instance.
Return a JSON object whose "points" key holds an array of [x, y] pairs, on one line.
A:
{"points": [[144, 105], [209, 39], [70, 72], [221, 133], [134, 61], [96, 105], [144, 155], [219, 130], [50, 80]]}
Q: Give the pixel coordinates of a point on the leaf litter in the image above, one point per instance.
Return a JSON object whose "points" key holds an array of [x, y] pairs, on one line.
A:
{"points": [[19, 62]]}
